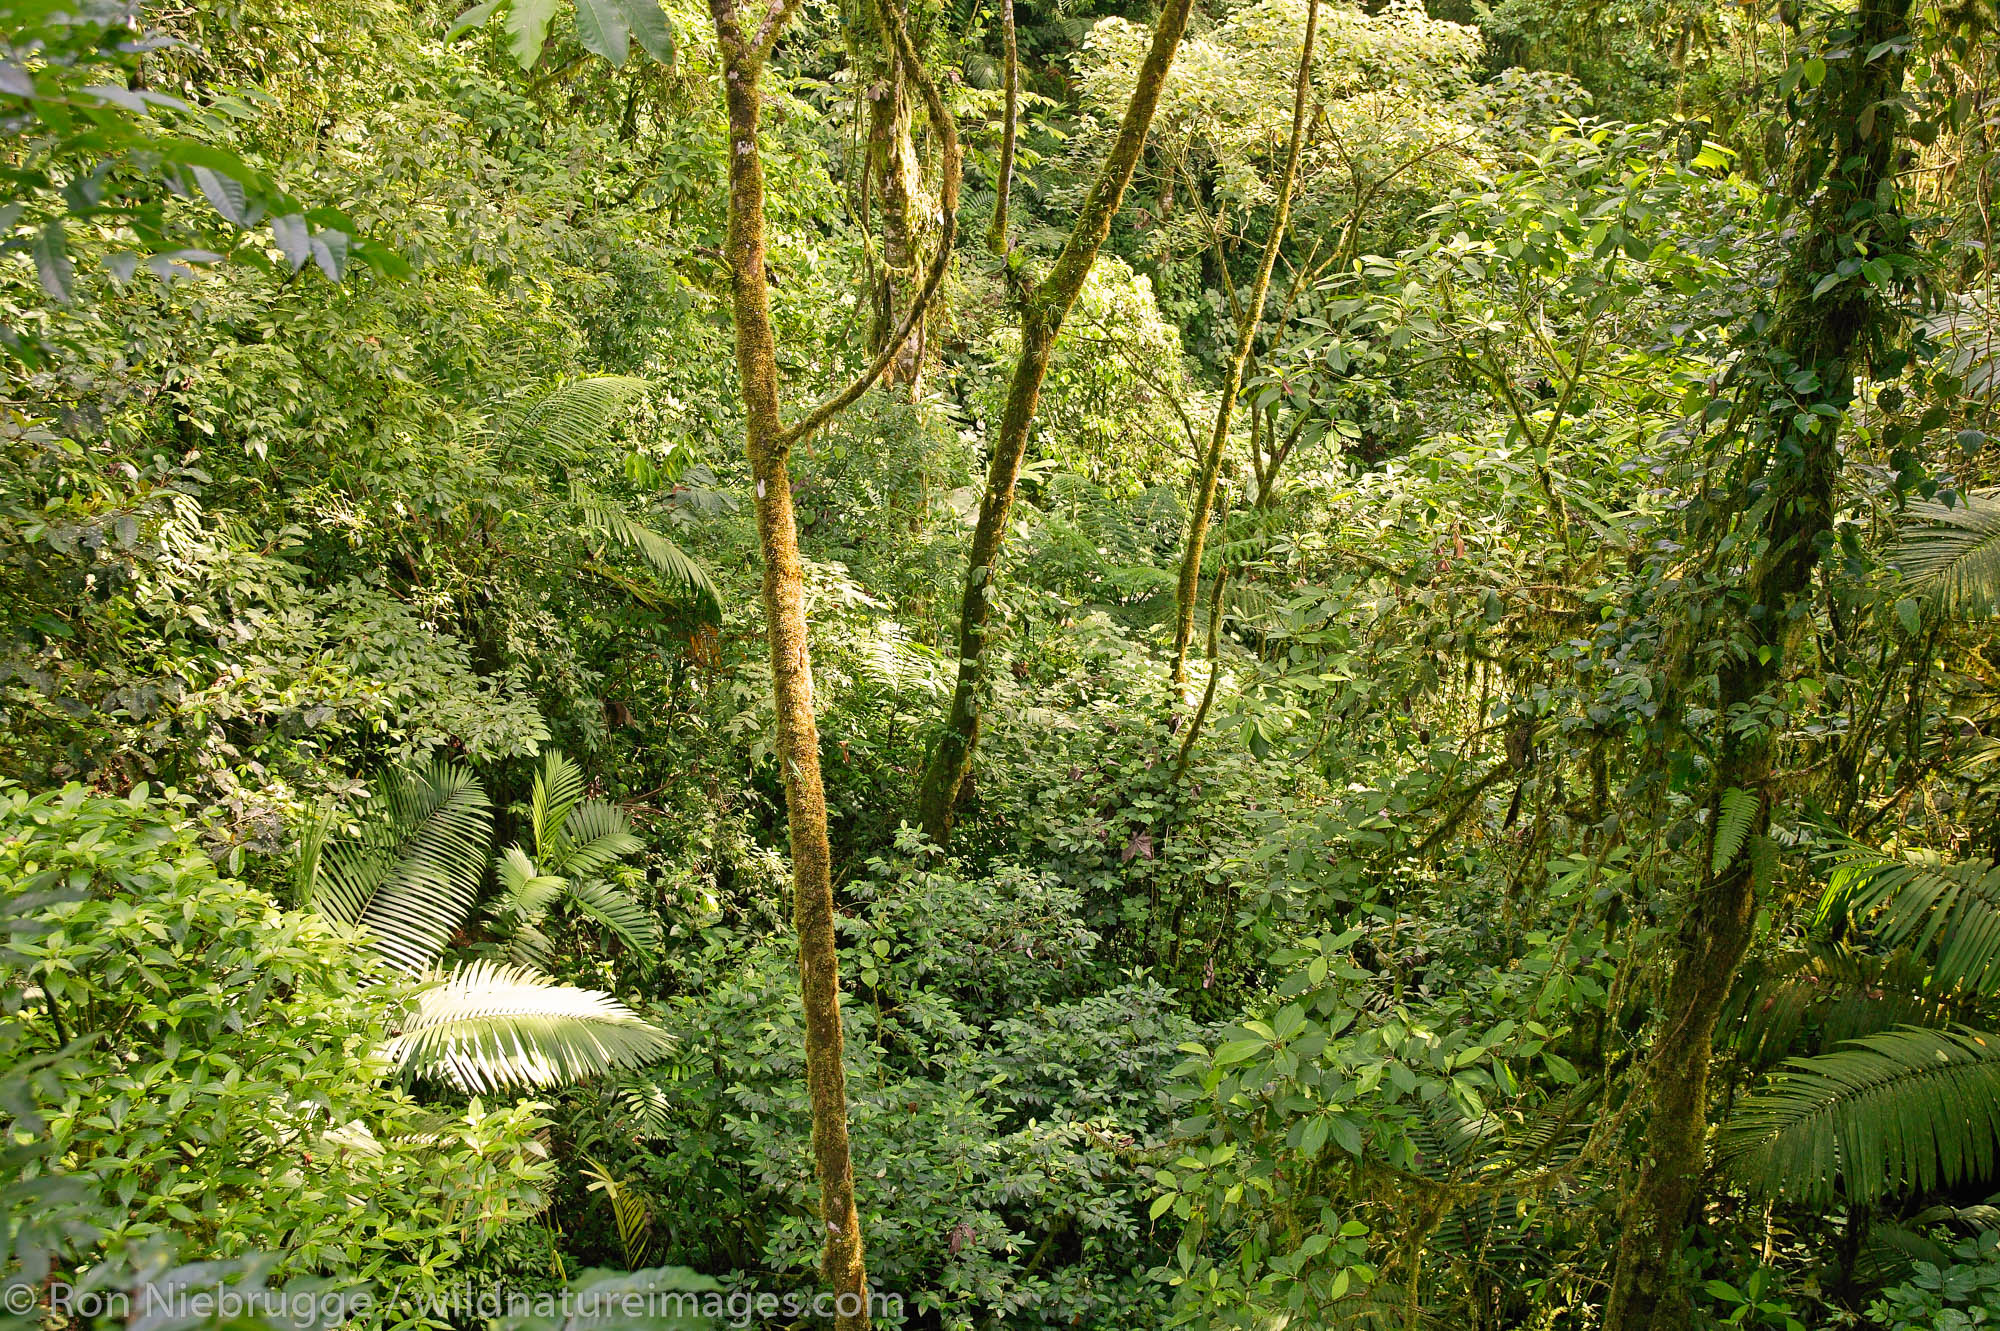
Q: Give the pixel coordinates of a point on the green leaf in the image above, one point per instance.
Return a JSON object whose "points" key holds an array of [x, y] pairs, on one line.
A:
{"points": [[52, 262], [651, 29], [1235, 1051], [1907, 615], [528, 28], [1161, 1205], [474, 17], [601, 29]]}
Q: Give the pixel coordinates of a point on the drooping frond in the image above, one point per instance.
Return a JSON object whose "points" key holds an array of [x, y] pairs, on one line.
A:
{"points": [[1952, 553], [1901, 1110], [409, 881], [594, 835], [580, 414], [615, 909], [558, 790], [485, 1027], [680, 570], [1814, 999], [1916, 900]]}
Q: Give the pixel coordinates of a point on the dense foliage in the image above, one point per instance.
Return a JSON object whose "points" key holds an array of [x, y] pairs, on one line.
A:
{"points": [[1552, 885]]}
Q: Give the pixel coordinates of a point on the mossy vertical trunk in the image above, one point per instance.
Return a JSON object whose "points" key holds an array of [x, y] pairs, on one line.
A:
{"points": [[1841, 178], [768, 446], [1232, 380], [1043, 308], [892, 161]]}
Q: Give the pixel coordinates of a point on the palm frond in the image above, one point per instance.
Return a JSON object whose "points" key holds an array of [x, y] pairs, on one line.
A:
{"points": [[628, 1210], [579, 415], [558, 790], [524, 890], [594, 835], [647, 1108], [615, 909], [1908, 1109], [1916, 900], [1823, 996], [409, 881], [679, 569], [486, 1026], [1954, 555]]}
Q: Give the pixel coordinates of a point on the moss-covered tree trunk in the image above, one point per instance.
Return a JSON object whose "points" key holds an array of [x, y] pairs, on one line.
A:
{"points": [[768, 440], [1841, 182], [1043, 307], [893, 167], [768, 443], [1232, 380]]}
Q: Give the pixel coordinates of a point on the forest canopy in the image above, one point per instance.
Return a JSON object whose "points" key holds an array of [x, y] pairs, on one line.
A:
{"points": [[989, 665]]}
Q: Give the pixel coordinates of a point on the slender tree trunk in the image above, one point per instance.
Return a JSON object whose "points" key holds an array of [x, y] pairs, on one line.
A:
{"points": [[1844, 166], [768, 445], [1043, 308], [1247, 321]]}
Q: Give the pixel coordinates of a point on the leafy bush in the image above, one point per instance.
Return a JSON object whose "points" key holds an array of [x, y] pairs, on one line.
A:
{"points": [[190, 1068]]}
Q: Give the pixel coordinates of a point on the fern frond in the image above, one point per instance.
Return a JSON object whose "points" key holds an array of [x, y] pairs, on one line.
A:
{"points": [[1954, 558], [681, 570], [1916, 900], [1734, 812], [485, 1027], [615, 909], [410, 880], [1907, 1109], [578, 416]]}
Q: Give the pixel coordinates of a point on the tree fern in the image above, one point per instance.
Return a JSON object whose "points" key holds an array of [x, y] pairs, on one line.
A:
{"points": [[1953, 555], [1901, 1110], [577, 417], [410, 879], [1918, 901], [682, 571], [486, 1027]]}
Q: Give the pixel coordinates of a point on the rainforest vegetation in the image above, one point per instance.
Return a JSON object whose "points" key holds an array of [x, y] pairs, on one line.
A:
{"points": [[997, 665]]}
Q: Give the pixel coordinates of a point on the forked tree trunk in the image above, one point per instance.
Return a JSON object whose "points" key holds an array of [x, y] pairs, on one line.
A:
{"points": [[1247, 321], [791, 681], [1844, 165], [768, 441], [1042, 310]]}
